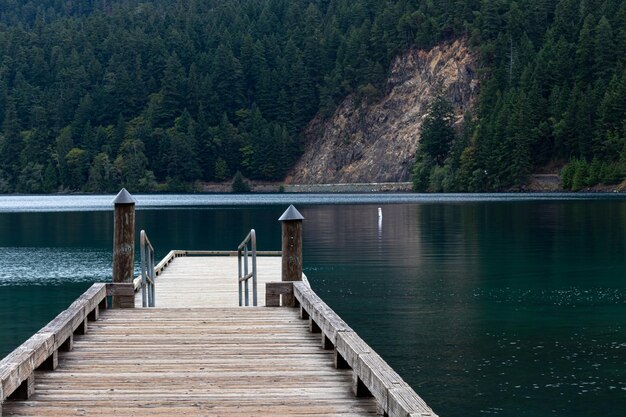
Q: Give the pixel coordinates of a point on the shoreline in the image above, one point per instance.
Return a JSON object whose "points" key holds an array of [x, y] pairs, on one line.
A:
{"points": [[542, 183]]}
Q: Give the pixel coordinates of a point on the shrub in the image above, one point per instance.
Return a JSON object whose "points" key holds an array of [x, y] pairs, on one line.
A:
{"points": [[567, 175], [240, 185], [581, 175]]}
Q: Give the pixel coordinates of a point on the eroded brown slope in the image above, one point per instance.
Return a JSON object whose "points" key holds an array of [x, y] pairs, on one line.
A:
{"points": [[377, 142]]}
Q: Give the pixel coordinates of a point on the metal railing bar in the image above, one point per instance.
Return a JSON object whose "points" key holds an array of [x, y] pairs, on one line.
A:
{"points": [[147, 271], [246, 250]]}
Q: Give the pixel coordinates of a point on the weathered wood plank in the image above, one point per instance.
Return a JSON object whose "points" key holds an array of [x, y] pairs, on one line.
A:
{"points": [[94, 295], [403, 401], [119, 289], [129, 408], [377, 376], [51, 363], [197, 360], [273, 291], [16, 369], [210, 281], [279, 288], [124, 292], [165, 262], [25, 390], [322, 315], [372, 375], [349, 345], [226, 361], [19, 365]]}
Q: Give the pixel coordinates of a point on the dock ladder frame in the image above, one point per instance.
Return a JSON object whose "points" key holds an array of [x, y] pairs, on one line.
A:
{"points": [[243, 255], [147, 271]]}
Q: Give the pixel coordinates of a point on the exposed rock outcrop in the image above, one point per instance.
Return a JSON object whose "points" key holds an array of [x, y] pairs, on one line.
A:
{"points": [[376, 142]]}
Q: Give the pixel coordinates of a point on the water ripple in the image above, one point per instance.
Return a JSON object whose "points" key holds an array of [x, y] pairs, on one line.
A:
{"points": [[48, 203], [561, 297], [51, 266]]}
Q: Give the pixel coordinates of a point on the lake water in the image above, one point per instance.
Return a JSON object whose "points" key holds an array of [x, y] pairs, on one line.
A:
{"points": [[506, 305]]}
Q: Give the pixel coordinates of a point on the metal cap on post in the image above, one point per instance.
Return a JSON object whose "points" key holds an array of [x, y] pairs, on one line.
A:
{"points": [[124, 197], [124, 245], [292, 248], [291, 214]]}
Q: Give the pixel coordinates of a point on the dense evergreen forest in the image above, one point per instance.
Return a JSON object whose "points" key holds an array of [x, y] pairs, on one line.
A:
{"points": [[553, 93], [155, 95]]}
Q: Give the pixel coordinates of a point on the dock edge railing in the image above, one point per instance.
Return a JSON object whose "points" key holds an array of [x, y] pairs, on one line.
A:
{"points": [[147, 271], [40, 351], [243, 255], [371, 375]]}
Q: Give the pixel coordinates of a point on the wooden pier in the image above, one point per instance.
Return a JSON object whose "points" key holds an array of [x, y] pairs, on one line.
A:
{"points": [[198, 353]]}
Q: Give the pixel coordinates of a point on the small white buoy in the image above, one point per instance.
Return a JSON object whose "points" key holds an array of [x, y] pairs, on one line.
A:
{"points": [[380, 212]]}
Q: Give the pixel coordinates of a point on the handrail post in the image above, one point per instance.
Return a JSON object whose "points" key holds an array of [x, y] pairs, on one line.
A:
{"points": [[147, 270], [152, 277], [243, 255], [245, 273], [253, 244], [123, 244], [239, 255], [292, 249], [144, 270]]}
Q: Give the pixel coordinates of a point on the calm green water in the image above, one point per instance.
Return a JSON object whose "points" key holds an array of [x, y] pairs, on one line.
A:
{"points": [[485, 306]]}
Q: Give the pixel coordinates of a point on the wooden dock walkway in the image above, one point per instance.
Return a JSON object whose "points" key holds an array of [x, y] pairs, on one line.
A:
{"points": [[194, 362], [201, 361], [208, 281], [197, 352]]}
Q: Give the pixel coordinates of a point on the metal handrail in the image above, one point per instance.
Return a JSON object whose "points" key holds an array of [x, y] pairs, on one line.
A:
{"points": [[147, 271], [243, 253]]}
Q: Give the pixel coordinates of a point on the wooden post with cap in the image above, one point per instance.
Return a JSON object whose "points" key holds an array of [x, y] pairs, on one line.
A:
{"points": [[124, 246], [292, 249]]}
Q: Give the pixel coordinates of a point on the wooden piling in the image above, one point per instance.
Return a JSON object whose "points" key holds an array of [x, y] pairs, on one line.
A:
{"points": [[123, 244], [291, 249]]}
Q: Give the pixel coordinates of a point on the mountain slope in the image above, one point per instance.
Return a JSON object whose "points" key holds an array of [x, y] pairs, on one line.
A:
{"points": [[376, 141]]}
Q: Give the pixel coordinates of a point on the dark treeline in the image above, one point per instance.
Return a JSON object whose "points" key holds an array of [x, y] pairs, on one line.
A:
{"points": [[99, 94], [553, 93]]}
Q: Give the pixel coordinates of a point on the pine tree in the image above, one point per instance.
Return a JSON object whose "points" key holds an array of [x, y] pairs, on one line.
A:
{"points": [[240, 185], [102, 175], [437, 133], [173, 90], [585, 51], [77, 164], [131, 164], [566, 19], [604, 49], [11, 143], [228, 75], [182, 162]]}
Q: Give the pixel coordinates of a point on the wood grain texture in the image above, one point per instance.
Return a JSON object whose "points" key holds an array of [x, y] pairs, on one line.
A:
{"points": [[273, 291], [195, 362], [183, 358], [123, 246], [208, 281], [371, 374], [40, 350], [291, 254]]}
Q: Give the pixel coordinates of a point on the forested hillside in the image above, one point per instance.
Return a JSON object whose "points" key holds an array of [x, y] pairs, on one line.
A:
{"points": [[554, 91], [98, 94]]}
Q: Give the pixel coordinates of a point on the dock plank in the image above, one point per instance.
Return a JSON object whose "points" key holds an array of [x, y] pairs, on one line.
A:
{"points": [[209, 281], [199, 354], [195, 362]]}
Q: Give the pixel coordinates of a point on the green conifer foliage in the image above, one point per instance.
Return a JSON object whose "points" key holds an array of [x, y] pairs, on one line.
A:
{"points": [[159, 88]]}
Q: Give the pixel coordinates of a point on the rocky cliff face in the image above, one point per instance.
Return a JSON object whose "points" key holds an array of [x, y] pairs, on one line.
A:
{"points": [[376, 142]]}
